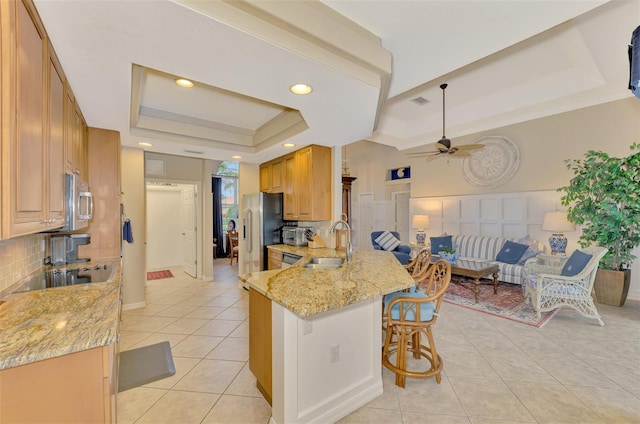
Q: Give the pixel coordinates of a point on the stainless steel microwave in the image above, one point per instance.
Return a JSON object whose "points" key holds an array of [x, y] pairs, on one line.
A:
{"points": [[79, 203]]}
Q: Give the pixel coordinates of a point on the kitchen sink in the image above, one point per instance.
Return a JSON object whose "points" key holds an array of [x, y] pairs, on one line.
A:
{"points": [[324, 262]]}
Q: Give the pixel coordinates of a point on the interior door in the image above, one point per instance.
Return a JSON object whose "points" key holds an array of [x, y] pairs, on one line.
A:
{"points": [[402, 215], [189, 230]]}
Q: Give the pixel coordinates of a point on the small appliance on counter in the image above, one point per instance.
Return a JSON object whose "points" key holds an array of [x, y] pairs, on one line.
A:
{"points": [[295, 236], [64, 248]]}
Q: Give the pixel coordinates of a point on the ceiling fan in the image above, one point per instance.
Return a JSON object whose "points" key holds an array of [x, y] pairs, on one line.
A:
{"points": [[443, 146]]}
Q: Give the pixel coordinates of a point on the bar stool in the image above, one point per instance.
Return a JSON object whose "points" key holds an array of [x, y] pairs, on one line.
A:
{"points": [[410, 317]]}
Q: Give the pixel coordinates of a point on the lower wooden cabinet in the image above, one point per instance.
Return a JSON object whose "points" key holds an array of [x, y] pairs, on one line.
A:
{"points": [[77, 388], [274, 260], [260, 356]]}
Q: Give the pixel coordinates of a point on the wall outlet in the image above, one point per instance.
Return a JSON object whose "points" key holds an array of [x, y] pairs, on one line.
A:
{"points": [[307, 327], [334, 353]]}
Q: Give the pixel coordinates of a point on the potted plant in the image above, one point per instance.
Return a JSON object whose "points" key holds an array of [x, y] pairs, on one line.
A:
{"points": [[604, 198], [449, 254]]}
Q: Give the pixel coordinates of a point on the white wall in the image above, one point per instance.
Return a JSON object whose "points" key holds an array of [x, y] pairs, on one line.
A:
{"points": [[133, 200]]}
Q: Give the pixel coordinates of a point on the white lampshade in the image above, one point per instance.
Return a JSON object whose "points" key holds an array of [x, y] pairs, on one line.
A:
{"points": [[420, 222], [557, 222]]}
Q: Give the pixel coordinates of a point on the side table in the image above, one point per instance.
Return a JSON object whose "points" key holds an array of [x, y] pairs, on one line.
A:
{"points": [[416, 248]]}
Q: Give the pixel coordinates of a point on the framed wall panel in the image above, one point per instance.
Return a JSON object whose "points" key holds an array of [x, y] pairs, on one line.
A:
{"points": [[511, 215]]}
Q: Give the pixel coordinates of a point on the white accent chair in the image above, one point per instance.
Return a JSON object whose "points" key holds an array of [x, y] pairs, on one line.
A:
{"points": [[547, 290]]}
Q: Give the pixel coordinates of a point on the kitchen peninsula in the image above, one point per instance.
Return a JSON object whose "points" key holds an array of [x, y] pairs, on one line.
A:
{"points": [[326, 334]]}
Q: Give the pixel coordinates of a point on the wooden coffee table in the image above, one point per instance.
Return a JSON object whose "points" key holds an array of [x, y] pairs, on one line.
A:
{"points": [[475, 271]]}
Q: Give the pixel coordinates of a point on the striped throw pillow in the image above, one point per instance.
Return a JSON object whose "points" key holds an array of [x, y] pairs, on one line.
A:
{"points": [[387, 241]]}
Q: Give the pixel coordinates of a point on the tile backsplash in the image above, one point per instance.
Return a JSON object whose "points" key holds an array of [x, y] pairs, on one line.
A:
{"points": [[20, 257]]}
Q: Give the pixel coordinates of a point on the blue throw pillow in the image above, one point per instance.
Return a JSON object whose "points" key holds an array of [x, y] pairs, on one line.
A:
{"points": [[575, 264], [511, 252], [437, 243]]}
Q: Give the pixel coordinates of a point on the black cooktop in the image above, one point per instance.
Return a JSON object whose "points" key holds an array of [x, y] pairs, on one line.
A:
{"points": [[60, 277]]}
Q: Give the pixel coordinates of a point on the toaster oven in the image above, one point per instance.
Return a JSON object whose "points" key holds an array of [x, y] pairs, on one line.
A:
{"points": [[294, 236]]}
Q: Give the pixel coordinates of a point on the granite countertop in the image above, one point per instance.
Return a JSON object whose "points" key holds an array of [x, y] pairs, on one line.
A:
{"points": [[307, 292], [43, 324]]}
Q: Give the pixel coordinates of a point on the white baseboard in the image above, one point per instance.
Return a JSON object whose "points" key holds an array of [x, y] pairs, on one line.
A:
{"points": [[136, 305]]}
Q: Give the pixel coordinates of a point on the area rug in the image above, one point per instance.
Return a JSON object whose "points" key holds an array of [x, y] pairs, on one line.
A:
{"points": [[156, 275], [507, 303]]}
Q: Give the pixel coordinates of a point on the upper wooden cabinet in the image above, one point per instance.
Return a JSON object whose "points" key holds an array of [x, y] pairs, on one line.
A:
{"points": [[272, 176], [55, 145], [104, 179], [42, 132], [32, 178], [307, 184], [75, 136]]}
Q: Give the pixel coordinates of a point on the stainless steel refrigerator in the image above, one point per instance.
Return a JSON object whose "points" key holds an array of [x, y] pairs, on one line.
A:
{"points": [[261, 227]]}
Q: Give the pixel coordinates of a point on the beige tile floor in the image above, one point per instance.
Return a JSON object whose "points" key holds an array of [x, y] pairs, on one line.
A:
{"points": [[495, 371]]}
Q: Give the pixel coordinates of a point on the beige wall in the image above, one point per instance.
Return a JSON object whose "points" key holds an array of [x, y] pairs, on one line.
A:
{"points": [[544, 145], [134, 205], [177, 168]]}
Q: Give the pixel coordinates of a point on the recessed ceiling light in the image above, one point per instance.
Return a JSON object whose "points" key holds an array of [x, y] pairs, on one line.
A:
{"points": [[184, 83], [236, 157], [301, 88], [288, 145], [145, 144]]}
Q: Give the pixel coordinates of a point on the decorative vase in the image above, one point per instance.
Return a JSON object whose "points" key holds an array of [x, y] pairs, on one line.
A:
{"points": [[451, 257], [558, 243], [612, 286]]}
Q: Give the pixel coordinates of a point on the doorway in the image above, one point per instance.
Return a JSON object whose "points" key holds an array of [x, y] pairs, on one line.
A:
{"points": [[171, 216], [401, 213]]}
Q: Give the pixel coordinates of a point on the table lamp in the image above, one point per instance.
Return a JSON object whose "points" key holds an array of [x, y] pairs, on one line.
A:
{"points": [[421, 223], [557, 223]]}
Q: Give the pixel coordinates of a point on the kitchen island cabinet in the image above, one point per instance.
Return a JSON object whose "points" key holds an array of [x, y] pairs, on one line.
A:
{"points": [[326, 333], [260, 341]]}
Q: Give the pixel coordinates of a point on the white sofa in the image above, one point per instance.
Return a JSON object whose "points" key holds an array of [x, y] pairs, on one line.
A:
{"points": [[486, 248]]}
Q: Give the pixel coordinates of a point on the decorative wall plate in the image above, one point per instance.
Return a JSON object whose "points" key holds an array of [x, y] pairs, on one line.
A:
{"points": [[493, 165]]}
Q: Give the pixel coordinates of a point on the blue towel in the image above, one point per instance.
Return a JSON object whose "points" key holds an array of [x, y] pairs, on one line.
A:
{"points": [[127, 233]]}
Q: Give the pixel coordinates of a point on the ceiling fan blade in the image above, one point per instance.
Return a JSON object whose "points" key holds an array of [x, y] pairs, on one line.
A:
{"points": [[470, 147], [421, 154], [432, 157], [461, 154]]}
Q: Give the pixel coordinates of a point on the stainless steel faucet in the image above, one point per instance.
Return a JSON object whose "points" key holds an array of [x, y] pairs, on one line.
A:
{"points": [[344, 224]]}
